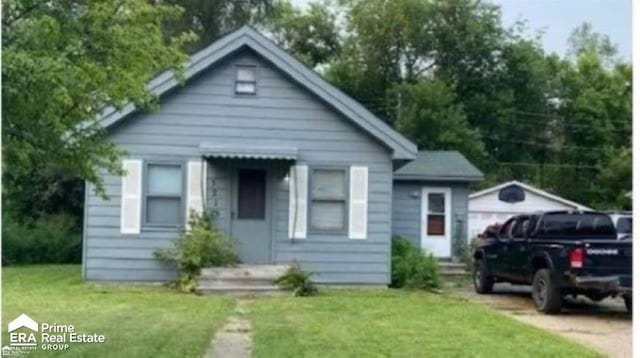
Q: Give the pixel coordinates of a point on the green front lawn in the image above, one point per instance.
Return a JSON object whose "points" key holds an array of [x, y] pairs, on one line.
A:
{"points": [[143, 321], [392, 323], [137, 321]]}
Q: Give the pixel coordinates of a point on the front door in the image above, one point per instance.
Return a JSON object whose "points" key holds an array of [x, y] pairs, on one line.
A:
{"points": [[436, 221], [250, 215]]}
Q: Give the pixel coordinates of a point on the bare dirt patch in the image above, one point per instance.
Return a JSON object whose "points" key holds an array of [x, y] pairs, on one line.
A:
{"points": [[604, 326]]}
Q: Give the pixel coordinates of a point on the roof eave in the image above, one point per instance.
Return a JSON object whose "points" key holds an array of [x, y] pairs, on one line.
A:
{"points": [[456, 178], [402, 148]]}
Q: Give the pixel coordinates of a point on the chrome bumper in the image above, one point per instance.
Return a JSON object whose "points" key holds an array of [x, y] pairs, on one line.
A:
{"points": [[602, 283]]}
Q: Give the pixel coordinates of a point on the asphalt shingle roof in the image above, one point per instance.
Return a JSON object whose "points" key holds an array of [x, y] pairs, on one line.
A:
{"points": [[439, 165]]}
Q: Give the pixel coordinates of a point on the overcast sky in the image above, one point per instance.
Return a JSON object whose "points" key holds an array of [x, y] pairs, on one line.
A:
{"points": [[559, 17]]}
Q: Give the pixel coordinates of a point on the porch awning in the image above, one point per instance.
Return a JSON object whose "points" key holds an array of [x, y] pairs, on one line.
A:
{"points": [[248, 151]]}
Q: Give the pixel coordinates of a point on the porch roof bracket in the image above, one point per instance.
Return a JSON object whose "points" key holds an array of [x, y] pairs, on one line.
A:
{"points": [[236, 151]]}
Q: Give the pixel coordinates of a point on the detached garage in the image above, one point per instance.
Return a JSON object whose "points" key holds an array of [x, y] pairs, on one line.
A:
{"points": [[498, 203]]}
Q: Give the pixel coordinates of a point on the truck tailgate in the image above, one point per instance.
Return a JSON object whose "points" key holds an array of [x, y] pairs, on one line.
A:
{"points": [[607, 257]]}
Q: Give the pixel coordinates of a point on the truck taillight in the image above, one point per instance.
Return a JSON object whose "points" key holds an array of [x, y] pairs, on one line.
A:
{"points": [[576, 257]]}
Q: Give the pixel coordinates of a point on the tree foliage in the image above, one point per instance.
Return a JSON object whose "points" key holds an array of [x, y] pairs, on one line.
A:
{"points": [[446, 73], [312, 34], [63, 62], [449, 75], [208, 19]]}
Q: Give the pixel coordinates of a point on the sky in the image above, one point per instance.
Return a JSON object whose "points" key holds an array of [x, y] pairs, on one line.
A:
{"points": [[557, 18]]}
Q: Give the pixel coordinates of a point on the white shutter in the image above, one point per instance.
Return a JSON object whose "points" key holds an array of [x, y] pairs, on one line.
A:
{"points": [[298, 179], [195, 188], [358, 196], [131, 199]]}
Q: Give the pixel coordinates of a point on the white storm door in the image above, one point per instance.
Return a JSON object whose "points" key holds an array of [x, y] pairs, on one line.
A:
{"points": [[435, 221]]}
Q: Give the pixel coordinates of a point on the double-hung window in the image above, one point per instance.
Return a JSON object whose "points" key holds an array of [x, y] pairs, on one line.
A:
{"points": [[164, 195], [328, 200], [245, 79], [436, 215]]}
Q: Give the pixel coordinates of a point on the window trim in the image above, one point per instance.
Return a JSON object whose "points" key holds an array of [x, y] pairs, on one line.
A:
{"points": [[345, 222], [145, 194], [448, 213], [254, 82]]}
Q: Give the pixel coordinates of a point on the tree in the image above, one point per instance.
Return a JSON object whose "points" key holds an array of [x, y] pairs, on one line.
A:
{"points": [[63, 62], [311, 35], [584, 39], [595, 113], [210, 18], [432, 116], [613, 183]]}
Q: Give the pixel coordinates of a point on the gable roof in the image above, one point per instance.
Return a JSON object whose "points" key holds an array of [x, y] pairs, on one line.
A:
{"points": [[248, 37], [439, 165], [531, 189]]}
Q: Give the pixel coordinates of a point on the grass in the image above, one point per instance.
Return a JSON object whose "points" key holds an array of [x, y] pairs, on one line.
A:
{"points": [[143, 321], [395, 323], [138, 321]]}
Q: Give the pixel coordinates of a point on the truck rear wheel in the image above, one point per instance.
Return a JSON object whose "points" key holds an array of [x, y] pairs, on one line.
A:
{"points": [[482, 281], [546, 296]]}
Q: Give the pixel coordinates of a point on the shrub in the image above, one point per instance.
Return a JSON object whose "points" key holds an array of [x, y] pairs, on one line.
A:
{"points": [[47, 239], [411, 268], [201, 246], [464, 252], [298, 281]]}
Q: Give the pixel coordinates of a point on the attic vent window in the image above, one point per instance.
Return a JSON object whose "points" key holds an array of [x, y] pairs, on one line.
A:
{"points": [[511, 194], [245, 79]]}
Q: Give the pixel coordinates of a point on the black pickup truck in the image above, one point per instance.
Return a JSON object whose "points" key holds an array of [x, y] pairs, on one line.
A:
{"points": [[558, 253]]}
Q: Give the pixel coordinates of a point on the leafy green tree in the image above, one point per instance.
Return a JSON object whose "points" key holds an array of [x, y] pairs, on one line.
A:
{"points": [[584, 39], [614, 181], [210, 18], [433, 117], [63, 62], [311, 35]]}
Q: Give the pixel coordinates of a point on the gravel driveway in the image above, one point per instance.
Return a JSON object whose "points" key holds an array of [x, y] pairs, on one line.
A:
{"points": [[603, 326]]}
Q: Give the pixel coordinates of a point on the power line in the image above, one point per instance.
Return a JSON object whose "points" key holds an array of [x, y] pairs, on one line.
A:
{"points": [[553, 146], [548, 165]]}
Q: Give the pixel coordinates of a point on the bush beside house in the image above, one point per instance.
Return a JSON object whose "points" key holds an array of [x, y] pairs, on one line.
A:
{"points": [[47, 239], [411, 268], [203, 245]]}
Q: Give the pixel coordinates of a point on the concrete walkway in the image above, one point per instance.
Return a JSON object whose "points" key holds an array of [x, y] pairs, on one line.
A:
{"points": [[233, 340], [604, 326]]}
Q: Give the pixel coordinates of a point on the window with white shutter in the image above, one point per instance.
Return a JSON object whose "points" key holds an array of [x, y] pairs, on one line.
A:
{"points": [[358, 205], [131, 199], [298, 179]]}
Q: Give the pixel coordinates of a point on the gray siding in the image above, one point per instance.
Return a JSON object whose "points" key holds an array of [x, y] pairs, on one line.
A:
{"points": [[406, 208], [282, 114]]}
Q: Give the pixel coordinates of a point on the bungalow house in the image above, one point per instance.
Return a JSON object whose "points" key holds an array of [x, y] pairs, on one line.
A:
{"points": [[293, 168]]}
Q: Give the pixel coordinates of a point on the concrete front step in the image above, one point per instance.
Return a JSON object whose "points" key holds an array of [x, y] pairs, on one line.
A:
{"points": [[454, 273], [454, 265], [236, 281], [244, 271], [243, 291], [240, 280]]}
